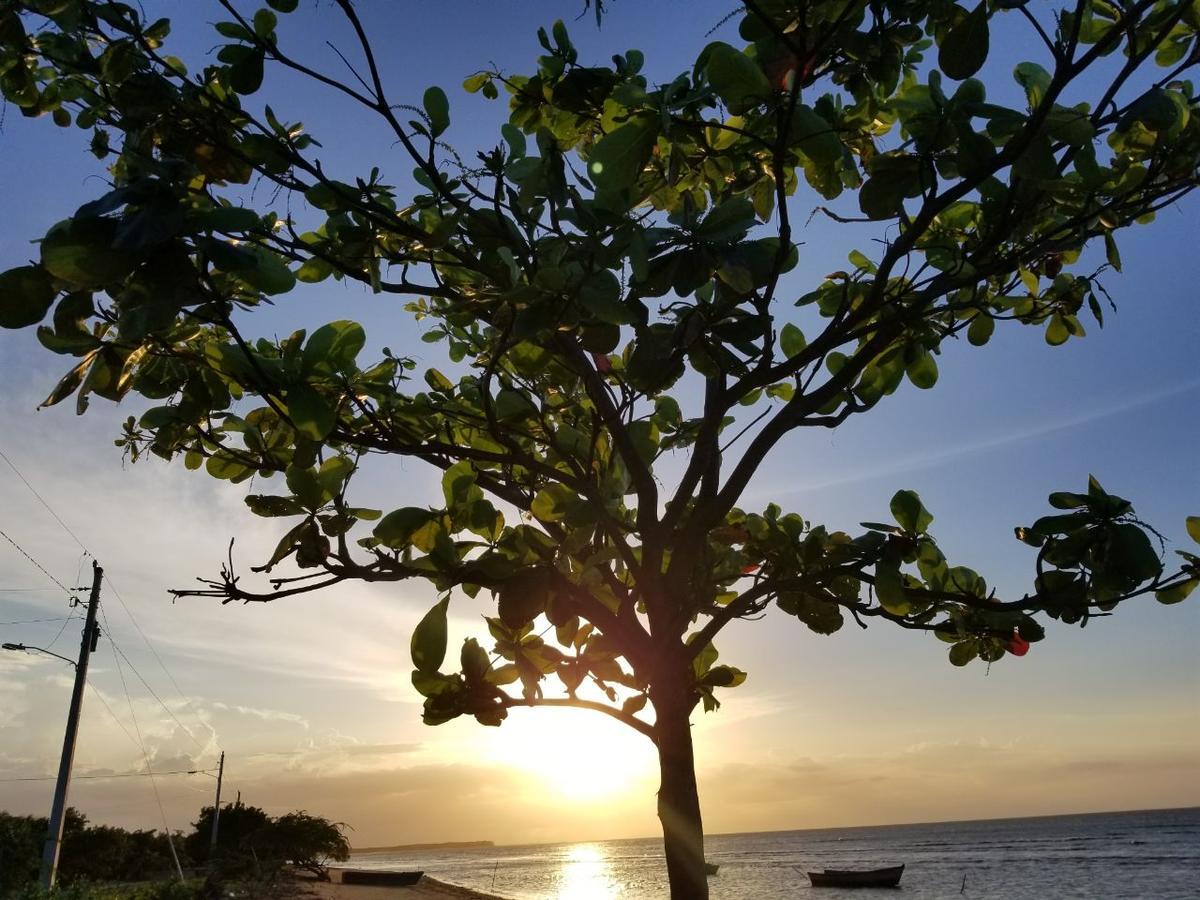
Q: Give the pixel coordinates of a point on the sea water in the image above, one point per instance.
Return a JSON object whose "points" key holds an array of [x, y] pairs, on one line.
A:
{"points": [[1104, 856]]}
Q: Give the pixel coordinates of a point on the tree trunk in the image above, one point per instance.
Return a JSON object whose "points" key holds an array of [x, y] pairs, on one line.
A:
{"points": [[678, 801]]}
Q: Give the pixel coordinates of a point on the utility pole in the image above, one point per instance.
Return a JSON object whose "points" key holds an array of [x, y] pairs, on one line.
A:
{"points": [[87, 646], [217, 806]]}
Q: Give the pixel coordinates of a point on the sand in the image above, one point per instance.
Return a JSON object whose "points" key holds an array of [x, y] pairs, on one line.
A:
{"points": [[428, 887]]}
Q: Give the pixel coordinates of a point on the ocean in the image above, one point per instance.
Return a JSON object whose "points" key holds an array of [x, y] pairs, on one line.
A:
{"points": [[1103, 856]]}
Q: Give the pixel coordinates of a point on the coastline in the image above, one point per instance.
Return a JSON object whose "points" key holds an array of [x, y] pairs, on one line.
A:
{"points": [[428, 889]]}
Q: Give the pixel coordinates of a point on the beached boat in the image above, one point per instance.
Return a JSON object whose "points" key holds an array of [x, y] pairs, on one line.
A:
{"points": [[711, 868], [889, 877], [379, 878]]}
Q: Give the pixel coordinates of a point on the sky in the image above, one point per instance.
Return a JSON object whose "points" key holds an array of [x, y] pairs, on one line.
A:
{"points": [[309, 697]]}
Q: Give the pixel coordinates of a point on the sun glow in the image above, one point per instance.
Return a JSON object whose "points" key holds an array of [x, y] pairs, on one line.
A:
{"points": [[576, 754], [585, 874]]}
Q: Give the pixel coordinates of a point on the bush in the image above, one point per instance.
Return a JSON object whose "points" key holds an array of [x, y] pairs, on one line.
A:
{"points": [[90, 854]]}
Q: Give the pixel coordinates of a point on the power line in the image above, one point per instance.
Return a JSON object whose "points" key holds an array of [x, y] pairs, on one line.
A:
{"points": [[99, 696], [146, 756], [114, 775], [42, 568], [154, 652], [116, 593], [166, 708], [71, 618], [35, 621], [42, 500]]}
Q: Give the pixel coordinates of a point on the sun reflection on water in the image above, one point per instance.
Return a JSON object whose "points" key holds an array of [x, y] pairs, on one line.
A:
{"points": [[585, 874]]}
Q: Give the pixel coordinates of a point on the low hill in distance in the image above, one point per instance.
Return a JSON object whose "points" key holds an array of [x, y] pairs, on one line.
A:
{"points": [[446, 845]]}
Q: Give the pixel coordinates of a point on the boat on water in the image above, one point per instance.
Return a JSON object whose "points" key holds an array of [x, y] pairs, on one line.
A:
{"points": [[380, 878], [889, 877], [711, 868]]}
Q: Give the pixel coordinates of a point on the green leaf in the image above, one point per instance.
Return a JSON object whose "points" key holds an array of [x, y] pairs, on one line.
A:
{"points": [[81, 253], [729, 220], [1067, 500], [1057, 331], [1193, 528], [513, 404], [25, 296], [1178, 593], [1073, 125], [617, 159], [814, 136], [334, 347], [910, 512], [791, 340], [267, 505], [880, 197], [1131, 553], [260, 268], [437, 107], [724, 677], [1111, 251], [963, 652], [553, 502], [397, 528], [246, 74], [820, 616], [922, 370], [429, 638], [889, 588], [283, 6], [736, 78], [264, 22], [523, 598], [1034, 79], [311, 414], [965, 47], [600, 294], [473, 84], [979, 332]]}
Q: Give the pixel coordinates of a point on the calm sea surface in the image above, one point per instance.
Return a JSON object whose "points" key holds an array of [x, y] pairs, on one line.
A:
{"points": [[1119, 856]]}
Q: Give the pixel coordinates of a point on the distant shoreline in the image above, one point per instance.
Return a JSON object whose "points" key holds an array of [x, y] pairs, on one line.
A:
{"points": [[443, 845], [452, 845]]}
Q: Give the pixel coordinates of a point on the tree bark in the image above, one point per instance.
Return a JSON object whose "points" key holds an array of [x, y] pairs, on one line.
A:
{"points": [[678, 800]]}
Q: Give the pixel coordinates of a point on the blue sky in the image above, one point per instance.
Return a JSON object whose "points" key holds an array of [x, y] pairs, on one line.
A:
{"points": [[311, 698]]}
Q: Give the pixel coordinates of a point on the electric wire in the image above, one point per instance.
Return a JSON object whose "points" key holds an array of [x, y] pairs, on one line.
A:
{"points": [[42, 500], [71, 618], [166, 708], [40, 567], [36, 621], [99, 696], [113, 775], [161, 664], [146, 756], [116, 593]]}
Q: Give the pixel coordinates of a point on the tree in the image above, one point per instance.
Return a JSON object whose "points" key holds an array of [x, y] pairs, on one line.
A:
{"points": [[626, 240], [307, 842], [239, 823], [248, 839], [91, 853]]}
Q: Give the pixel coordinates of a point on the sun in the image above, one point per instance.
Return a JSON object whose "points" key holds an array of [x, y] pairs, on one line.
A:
{"points": [[575, 754]]}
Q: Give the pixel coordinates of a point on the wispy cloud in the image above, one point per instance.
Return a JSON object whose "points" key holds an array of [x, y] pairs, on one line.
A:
{"points": [[934, 458]]}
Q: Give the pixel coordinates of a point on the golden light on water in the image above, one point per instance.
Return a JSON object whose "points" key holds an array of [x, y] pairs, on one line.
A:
{"points": [[587, 875], [576, 755]]}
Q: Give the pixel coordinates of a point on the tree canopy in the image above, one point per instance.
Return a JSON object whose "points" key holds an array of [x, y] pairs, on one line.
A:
{"points": [[610, 285]]}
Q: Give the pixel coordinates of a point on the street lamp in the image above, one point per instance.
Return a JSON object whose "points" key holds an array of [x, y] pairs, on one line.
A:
{"points": [[28, 649]]}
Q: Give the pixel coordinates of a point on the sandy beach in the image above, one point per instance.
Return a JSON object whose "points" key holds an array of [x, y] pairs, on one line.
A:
{"points": [[429, 888]]}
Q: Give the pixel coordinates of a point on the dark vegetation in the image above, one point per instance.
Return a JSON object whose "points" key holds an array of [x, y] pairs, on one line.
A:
{"points": [[99, 862]]}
